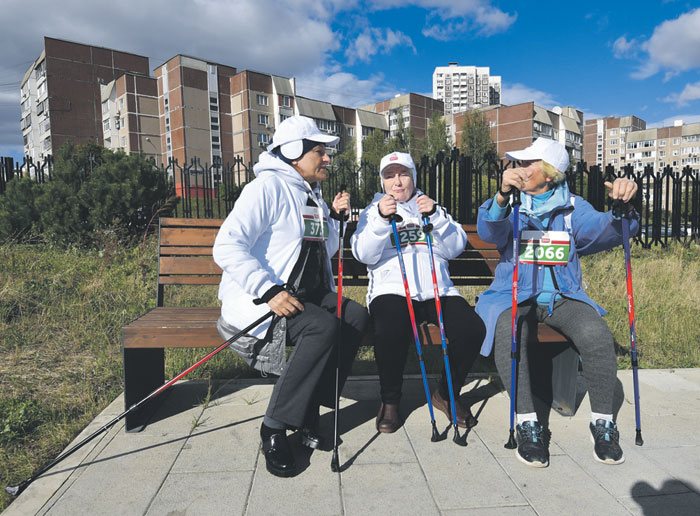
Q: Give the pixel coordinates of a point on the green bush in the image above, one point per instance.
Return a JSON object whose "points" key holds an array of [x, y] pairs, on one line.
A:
{"points": [[92, 190]]}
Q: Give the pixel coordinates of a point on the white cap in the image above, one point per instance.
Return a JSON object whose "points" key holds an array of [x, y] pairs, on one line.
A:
{"points": [[544, 149], [293, 130], [398, 158]]}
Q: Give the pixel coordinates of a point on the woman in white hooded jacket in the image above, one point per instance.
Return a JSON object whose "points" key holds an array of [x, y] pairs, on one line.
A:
{"points": [[373, 244], [274, 249]]}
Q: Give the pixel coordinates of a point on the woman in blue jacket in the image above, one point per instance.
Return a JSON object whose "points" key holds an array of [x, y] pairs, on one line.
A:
{"points": [[560, 227]]}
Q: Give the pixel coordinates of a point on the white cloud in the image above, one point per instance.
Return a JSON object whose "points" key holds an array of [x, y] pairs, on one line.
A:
{"points": [[456, 16], [666, 122], [517, 93], [345, 89], [622, 48], [690, 92], [674, 46], [372, 41]]}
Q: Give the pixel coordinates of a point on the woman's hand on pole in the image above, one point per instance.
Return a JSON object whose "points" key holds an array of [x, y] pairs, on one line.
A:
{"points": [[622, 189], [387, 206], [425, 204], [342, 202], [513, 178], [285, 305]]}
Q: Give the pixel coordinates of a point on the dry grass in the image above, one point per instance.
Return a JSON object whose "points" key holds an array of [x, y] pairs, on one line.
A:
{"points": [[61, 312]]}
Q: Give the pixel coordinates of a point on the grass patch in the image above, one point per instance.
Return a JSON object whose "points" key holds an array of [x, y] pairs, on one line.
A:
{"points": [[61, 313]]}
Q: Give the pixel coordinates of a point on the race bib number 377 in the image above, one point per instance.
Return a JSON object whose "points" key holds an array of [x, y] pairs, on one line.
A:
{"points": [[315, 224], [544, 247]]}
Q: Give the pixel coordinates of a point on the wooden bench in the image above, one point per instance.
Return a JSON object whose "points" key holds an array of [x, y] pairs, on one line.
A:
{"points": [[185, 258]]}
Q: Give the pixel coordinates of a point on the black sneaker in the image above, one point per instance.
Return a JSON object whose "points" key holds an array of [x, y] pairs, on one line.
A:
{"points": [[606, 439], [532, 446]]}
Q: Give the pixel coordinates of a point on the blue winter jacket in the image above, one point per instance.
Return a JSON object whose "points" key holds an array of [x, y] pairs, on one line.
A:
{"points": [[590, 231]]}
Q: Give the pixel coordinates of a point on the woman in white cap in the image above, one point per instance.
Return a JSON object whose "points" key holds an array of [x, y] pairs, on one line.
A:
{"points": [[563, 227], [274, 249], [373, 245]]}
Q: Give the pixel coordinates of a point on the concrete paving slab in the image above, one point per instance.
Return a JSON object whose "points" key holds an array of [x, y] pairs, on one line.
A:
{"points": [[196, 459], [378, 489], [192, 493]]}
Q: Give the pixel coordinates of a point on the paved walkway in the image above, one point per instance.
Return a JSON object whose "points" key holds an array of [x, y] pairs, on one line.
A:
{"points": [[204, 459]]}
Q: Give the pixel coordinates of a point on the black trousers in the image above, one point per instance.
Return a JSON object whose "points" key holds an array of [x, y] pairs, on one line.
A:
{"points": [[393, 335], [308, 378]]}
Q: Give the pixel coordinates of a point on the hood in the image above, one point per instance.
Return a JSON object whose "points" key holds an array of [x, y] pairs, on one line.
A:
{"points": [[270, 163]]}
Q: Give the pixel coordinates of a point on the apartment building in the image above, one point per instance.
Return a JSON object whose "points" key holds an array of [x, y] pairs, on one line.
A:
{"points": [[516, 127], [194, 104], [415, 110], [604, 140], [626, 141], [130, 115], [61, 93], [462, 88]]}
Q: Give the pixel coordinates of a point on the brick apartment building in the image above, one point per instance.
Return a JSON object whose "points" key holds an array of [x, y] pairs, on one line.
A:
{"points": [[61, 93], [130, 116], [515, 127]]}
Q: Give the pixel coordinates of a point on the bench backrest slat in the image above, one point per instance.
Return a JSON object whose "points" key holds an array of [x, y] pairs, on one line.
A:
{"points": [[185, 256]]}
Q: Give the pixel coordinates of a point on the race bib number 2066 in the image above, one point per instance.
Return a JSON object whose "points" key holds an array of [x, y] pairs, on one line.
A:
{"points": [[544, 247]]}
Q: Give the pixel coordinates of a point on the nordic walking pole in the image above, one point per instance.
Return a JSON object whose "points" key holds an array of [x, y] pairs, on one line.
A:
{"points": [[515, 202], [617, 210], [427, 228], [335, 463], [16, 490], [436, 435]]}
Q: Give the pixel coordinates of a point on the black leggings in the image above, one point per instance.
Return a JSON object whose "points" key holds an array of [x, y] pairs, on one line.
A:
{"points": [[393, 335]]}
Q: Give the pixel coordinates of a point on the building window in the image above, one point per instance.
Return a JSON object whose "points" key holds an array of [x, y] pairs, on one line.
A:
{"points": [[262, 100], [613, 151], [263, 139], [286, 101], [213, 100], [662, 154], [283, 117], [215, 139], [676, 141], [264, 119], [662, 143], [124, 142], [105, 125], [613, 142], [105, 107]]}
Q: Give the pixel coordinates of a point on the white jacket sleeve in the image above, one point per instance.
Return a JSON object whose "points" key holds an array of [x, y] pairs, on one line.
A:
{"points": [[251, 218], [448, 233], [371, 236]]}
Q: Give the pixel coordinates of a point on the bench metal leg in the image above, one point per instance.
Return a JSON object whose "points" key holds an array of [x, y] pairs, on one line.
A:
{"points": [[555, 376], [144, 371]]}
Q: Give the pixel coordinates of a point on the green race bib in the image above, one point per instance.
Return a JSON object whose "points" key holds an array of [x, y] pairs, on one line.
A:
{"points": [[544, 247], [315, 224], [410, 233]]}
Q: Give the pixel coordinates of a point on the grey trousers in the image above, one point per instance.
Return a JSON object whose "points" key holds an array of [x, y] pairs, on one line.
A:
{"points": [[308, 379], [583, 326]]}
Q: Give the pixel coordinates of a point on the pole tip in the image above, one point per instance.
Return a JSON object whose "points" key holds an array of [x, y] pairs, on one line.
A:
{"points": [[638, 439], [436, 435], [511, 444], [459, 441], [16, 490], [335, 463]]}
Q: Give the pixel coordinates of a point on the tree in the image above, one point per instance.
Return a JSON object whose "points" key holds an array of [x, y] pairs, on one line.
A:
{"points": [[476, 139], [437, 139], [374, 148], [93, 188]]}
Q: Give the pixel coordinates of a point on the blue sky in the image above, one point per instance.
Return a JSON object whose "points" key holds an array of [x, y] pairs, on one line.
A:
{"points": [[615, 58]]}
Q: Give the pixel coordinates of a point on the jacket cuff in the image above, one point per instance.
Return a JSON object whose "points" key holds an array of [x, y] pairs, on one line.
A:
{"points": [[335, 215]]}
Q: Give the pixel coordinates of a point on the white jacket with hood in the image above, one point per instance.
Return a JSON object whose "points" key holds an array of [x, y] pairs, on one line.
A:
{"points": [[372, 244], [260, 241]]}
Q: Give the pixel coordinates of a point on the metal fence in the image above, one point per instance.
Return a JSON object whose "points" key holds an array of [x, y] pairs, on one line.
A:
{"points": [[668, 201]]}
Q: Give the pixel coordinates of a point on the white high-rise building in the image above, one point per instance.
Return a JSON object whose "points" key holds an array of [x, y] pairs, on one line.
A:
{"points": [[465, 87]]}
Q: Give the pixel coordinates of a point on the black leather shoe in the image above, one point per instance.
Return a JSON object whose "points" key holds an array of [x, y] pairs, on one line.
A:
{"points": [[311, 438], [278, 454], [465, 418]]}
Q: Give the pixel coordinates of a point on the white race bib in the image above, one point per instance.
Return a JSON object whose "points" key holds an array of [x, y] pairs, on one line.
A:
{"points": [[315, 224], [410, 233], [544, 247]]}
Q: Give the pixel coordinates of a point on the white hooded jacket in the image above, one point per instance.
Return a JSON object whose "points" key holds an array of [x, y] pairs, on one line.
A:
{"points": [[372, 244], [260, 241]]}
